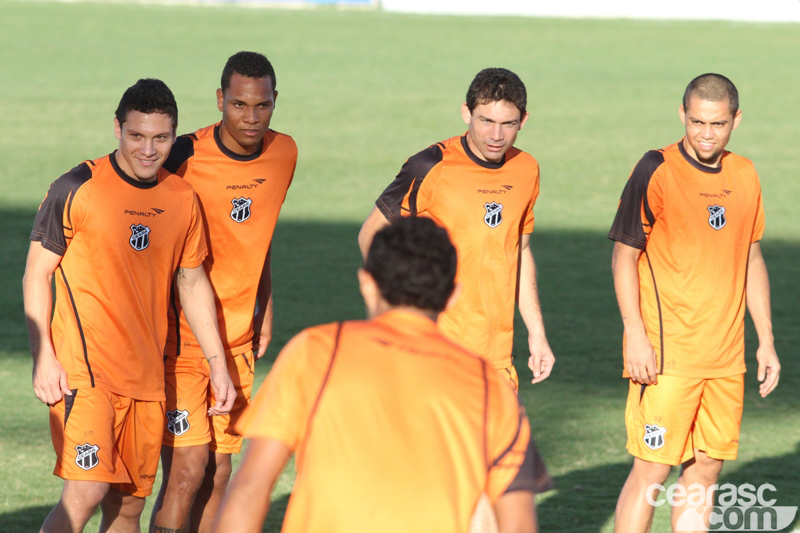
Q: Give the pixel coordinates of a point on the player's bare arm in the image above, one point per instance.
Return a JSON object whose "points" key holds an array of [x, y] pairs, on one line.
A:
{"points": [[247, 501], [374, 222], [541, 360], [197, 301], [49, 378], [262, 321], [758, 304], [516, 512], [640, 357]]}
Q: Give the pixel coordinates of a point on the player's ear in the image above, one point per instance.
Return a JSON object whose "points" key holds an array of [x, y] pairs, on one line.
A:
{"points": [[274, 98], [454, 296], [369, 292], [523, 120], [220, 99], [466, 114], [682, 114], [737, 118], [117, 129]]}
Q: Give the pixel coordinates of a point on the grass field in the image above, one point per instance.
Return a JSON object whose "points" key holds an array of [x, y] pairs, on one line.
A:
{"points": [[360, 92]]}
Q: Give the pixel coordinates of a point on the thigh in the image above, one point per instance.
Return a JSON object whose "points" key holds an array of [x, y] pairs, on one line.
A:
{"points": [[224, 438], [139, 446], [719, 418], [659, 419], [83, 429], [187, 392]]}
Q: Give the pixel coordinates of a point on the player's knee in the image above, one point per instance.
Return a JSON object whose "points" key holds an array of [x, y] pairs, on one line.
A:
{"points": [[187, 469], [705, 469], [223, 469], [649, 473], [82, 498]]}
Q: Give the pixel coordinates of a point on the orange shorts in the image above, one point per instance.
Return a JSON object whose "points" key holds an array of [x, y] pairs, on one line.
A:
{"points": [[101, 436], [189, 396], [666, 422]]}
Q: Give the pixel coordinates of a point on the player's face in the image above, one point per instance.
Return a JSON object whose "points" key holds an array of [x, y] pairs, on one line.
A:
{"points": [[493, 128], [247, 107], [145, 140], [708, 128]]}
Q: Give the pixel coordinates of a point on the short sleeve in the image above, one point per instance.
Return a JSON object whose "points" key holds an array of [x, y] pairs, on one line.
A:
{"points": [[400, 198], [55, 221], [758, 226], [514, 463], [195, 248], [527, 225], [635, 218], [283, 405]]}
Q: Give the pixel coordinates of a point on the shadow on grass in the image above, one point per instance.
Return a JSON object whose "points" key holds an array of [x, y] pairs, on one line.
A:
{"points": [[27, 519]]}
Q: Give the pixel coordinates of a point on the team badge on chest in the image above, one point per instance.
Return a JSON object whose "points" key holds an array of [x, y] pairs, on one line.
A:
{"points": [[140, 237], [241, 209], [87, 456], [493, 216], [716, 216], [178, 422]]}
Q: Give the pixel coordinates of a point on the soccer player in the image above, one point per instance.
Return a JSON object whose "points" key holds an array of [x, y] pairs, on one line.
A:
{"points": [[383, 443], [686, 259], [113, 232], [482, 190], [240, 170]]}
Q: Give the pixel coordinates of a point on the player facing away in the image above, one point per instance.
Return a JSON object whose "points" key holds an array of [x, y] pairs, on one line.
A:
{"points": [[113, 232], [686, 261], [382, 442], [481, 189], [240, 170]]}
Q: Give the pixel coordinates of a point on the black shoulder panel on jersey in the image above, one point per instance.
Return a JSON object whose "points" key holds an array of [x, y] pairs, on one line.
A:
{"points": [[408, 182], [182, 150], [628, 227], [48, 227], [532, 475]]}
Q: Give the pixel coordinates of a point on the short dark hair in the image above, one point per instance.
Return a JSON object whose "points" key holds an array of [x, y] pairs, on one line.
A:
{"points": [[413, 263], [495, 85], [249, 64], [148, 95], [714, 88]]}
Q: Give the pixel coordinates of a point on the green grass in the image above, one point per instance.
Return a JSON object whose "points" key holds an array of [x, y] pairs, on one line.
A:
{"points": [[360, 92]]}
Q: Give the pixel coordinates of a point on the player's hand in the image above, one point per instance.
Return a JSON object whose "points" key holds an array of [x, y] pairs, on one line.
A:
{"points": [[640, 359], [222, 386], [769, 369], [49, 379], [262, 336], [542, 359]]}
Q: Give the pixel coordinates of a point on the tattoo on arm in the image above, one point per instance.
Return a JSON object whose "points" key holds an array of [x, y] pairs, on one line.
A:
{"points": [[158, 529], [182, 273]]}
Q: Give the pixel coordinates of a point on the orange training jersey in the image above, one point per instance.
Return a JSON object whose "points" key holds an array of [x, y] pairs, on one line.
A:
{"points": [[240, 197], [121, 241], [695, 225], [485, 207], [384, 444]]}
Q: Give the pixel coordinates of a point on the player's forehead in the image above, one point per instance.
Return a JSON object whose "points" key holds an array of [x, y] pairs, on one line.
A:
{"points": [[709, 110], [497, 110], [147, 123], [245, 88]]}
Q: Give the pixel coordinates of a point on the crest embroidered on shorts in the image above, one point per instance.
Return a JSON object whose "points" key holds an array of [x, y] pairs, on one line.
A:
{"points": [[716, 216], [140, 237], [177, 422], [87, 456], [493, 216], [654, 436], [241, 209]]}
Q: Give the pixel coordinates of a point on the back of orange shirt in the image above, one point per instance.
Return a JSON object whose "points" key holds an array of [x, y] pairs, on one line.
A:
{"points": [[121, 241], [485, 207], [241, 197], [695, 225], [383, 443]]}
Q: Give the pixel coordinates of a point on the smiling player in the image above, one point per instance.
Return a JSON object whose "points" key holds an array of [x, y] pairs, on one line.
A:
{"points": [[240, 170], [686, 259]]}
